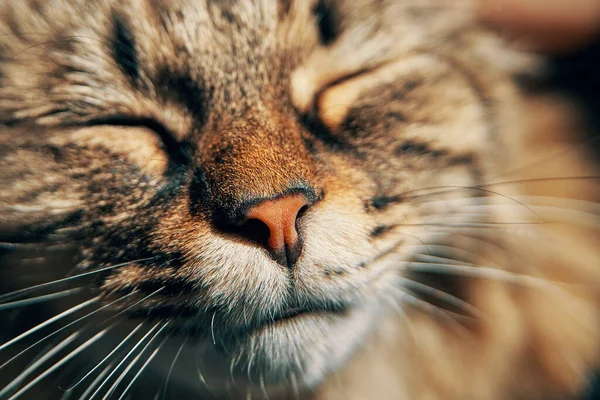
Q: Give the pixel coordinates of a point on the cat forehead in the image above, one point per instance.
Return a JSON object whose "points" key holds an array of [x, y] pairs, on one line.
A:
{"points": [[217, 44], [149, 58], [224, 35]]}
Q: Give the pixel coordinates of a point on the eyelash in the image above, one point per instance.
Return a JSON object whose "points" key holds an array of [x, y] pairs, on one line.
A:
{"points": [[179, 153]]}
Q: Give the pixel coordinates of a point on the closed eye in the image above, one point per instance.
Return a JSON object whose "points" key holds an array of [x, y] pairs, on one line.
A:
{"points": [[178, 152]]}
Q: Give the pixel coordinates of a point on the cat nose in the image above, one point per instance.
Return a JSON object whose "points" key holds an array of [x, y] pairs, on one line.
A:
{"points": [[280, 216]]}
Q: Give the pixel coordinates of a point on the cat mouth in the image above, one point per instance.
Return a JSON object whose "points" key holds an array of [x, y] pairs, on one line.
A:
{"points": [[296, 314], [292, 313]]}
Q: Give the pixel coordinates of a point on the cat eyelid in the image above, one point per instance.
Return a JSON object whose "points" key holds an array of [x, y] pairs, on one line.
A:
{"points": [[178, 151]]}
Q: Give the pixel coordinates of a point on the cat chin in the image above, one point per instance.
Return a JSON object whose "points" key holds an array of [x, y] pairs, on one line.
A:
{"points": [[298, 352]]}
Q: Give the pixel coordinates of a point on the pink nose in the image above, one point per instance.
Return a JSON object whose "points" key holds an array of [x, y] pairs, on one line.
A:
{"points": [[280, 216]]}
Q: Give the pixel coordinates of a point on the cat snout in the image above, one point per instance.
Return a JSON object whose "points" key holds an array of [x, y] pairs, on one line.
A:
{"points": [[274, 223]]}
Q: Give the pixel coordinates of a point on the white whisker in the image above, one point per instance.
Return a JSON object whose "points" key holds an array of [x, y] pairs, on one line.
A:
{"points": [[34, 366], [429, 308], [460, 255], [436, 259], [100, 376], [60, 363], [64, 328], [143, 367], [232, 365], [107, 357], [164, 391], [249, 369], [212, 329], [133, 362], [19, 292], [489, 225], [263, 388], [443, 189], [531, 200], [559, 214], [482, 272], [550, 179], [449, 188], [124, 359], [123, 311], [49, 321], [448, 298], [294, 385], [39, 299], [201, 378], [396, 307], [551, 210]]}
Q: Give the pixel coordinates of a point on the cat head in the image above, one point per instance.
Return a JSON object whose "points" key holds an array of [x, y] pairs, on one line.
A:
{"points": [[250, 172]]}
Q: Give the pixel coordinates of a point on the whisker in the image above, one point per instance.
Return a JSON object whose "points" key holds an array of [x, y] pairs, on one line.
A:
{"points": [[134, 361], [436, 259], [212, 329], [482, 272], [401, 243], [448, 298], [263, 388], [203, 380], [66, 39], [535, 180], [100, 376], [164, 391], [49, 321], [450, 188], [39, 299], [546, 208], [559, 214], [51, 353], [107, 357], [579, 211], [532, 201], [60, 363], [134, 304], [553, 156], [394, 304], [19, 292], [124, 359], [451, 317], [232, 365], [462, 255], [143, 367], [551, 200], [23, 34], [478, 225], [466, 231], [442, 189], [64, 328], [511, 198]]}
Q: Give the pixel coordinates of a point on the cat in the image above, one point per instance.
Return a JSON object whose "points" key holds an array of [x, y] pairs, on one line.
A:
{"points": [[324, 199]]}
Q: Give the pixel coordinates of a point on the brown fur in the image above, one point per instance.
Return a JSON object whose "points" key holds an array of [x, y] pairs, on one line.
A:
{"points": [[144, 129]]}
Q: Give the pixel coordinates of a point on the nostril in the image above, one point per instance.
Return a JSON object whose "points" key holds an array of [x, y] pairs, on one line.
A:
{"points": [[301, 212], [255, 230], [272, 223]]}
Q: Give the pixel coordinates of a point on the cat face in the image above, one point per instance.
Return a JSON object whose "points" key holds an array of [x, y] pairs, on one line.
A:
{"points": [[246, 171]]}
